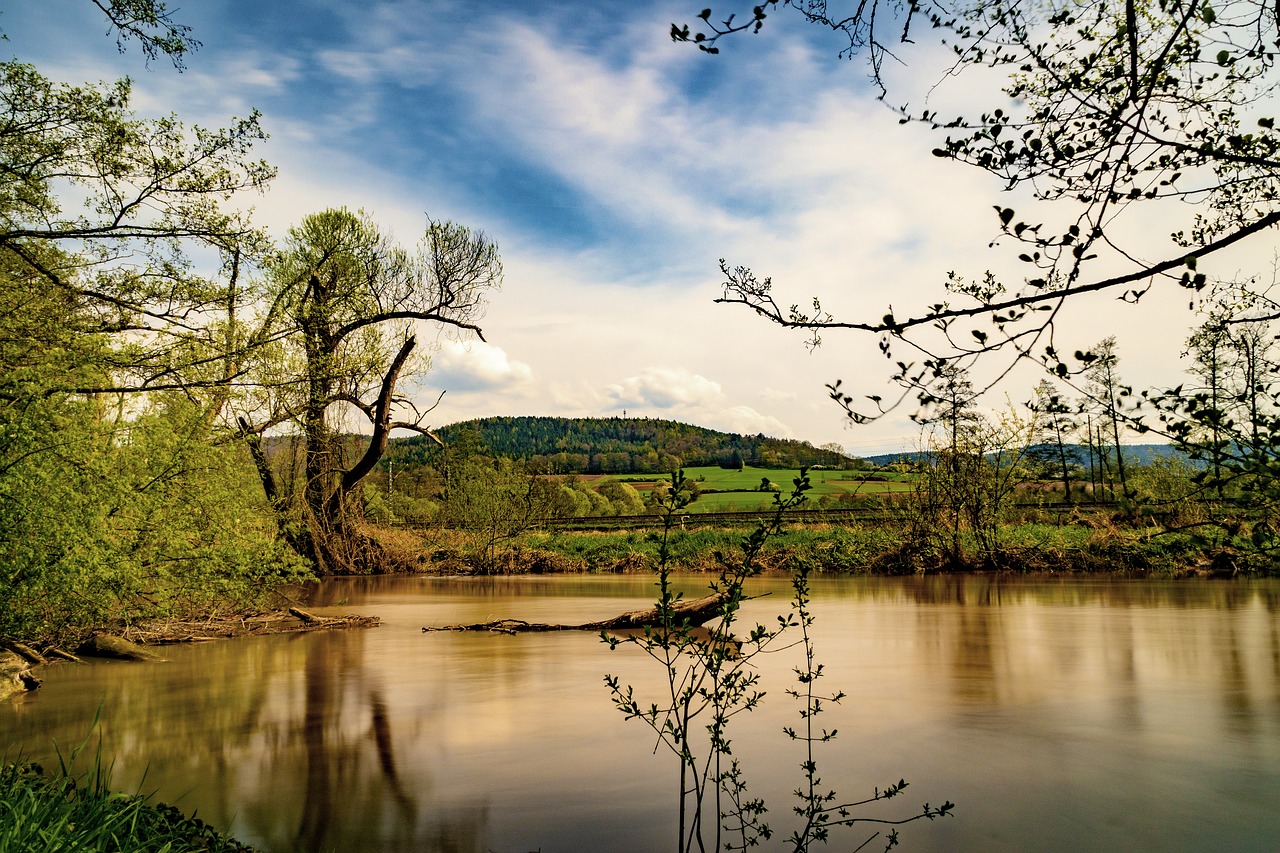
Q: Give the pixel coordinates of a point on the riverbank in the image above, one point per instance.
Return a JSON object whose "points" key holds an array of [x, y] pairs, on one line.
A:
{"points": [[887, 549]]}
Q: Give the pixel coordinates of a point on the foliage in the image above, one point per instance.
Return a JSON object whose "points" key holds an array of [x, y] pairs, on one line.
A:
{"points": [[1227, 417], [117, 500], [151, 25], [494, 502], [153, 192], [627, 446], [710, 679], [108, 520], [975, 467], [1114, 107]]}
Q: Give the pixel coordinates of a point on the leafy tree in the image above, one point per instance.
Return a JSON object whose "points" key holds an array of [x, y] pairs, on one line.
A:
{"points": [[1227, 417], [345, 307], [152, 190], [108, 516], [150, 23], [974, 465], [951, 402], [115, 501], [622, 497], [494, 501], [1209, 347]]}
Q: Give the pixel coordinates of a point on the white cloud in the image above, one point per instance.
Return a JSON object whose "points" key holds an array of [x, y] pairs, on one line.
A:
{"points": [[477, 367], [666, 388], [747, 421]]}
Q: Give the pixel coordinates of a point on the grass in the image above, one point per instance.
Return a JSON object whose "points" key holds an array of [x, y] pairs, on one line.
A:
{"points": [[886, 547], [63, 811], [728, 489]]}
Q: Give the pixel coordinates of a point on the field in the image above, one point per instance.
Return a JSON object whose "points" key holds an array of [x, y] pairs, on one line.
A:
{"points": [[729, 490]]}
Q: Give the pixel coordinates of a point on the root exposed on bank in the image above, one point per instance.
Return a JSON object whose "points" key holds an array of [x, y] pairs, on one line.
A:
{"points": [[693, 612]]}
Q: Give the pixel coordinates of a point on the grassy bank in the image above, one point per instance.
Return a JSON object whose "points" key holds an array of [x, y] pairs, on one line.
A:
{"points": [[40, 811], [881, 548]]}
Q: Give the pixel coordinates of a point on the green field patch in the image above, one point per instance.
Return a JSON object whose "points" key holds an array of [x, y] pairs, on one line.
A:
{"points": [[728, 489]]}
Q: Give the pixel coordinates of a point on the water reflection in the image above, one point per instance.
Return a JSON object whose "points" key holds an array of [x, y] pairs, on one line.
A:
{"points": [[1060, 714], [279, 739]]}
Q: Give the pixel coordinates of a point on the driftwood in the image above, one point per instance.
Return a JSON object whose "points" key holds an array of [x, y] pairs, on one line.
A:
{"points": [[692, 612], [110, 646], [293, 621]]}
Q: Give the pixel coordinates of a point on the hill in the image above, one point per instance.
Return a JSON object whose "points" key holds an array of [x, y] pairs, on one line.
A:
{"points": [[621, 445], [1136, 454]]}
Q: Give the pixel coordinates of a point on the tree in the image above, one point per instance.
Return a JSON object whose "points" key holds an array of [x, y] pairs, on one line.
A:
{"points": [[1227, 417], [1053, 425], [836, 449], [952, 402], [1107, 113], [622, 497], [495, 500], [151, 25], [345, 308], [152, 191], [1108, 394], [116, 502], [1209, 347]]}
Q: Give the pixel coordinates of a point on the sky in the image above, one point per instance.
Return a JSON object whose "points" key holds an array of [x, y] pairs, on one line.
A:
{"points": [[613, 168]]}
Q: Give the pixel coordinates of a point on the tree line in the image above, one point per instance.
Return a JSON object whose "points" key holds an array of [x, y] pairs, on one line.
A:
{"points": [[556, 445]]}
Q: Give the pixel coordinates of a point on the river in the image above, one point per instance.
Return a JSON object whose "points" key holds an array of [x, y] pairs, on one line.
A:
{"points": [[1058, 714]]}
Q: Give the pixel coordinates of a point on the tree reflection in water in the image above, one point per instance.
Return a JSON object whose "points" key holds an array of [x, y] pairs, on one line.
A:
{"points": [[350, 765]]}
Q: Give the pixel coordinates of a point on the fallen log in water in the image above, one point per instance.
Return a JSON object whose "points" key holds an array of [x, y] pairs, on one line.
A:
{"points": [[692, 612]]}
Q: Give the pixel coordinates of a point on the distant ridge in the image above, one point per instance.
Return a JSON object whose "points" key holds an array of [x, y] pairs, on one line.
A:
{"points": [[1138, 454], [624, 445]]}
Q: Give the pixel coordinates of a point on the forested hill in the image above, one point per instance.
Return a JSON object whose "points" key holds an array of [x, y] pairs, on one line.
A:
{"points": [[622, 445]]}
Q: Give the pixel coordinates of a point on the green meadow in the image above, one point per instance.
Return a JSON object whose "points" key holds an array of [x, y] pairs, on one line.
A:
{"points": [[729, 490]]}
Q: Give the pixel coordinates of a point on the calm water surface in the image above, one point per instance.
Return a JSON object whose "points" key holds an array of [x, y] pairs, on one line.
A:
{"points": [[1058, 715]]}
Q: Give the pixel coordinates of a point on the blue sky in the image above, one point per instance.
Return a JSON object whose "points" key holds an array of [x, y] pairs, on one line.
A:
{"points": [[613, 168]]}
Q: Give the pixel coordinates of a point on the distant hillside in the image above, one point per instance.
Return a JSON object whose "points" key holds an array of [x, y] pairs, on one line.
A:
{"points": [[1137, 454], [622, 445]]}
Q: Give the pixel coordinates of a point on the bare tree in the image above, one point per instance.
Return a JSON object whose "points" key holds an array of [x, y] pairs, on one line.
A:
{"points": [[349, 304]]}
